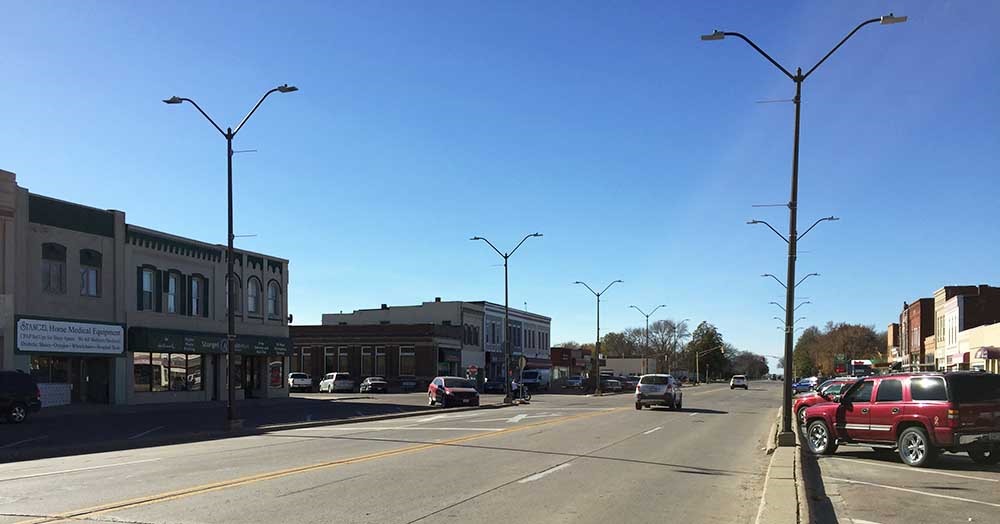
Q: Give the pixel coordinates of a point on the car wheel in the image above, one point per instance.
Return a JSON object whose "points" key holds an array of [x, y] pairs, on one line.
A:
{"points": [[17, 414], [985, 454], [638, 406], [801, 415], [915, 448], [821, 442]]}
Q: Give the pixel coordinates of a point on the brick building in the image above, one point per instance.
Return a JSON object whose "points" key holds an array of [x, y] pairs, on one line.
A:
{"points": [[916, 324]]}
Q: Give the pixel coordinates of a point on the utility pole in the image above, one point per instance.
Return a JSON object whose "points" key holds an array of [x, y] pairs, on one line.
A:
{"points": [[646, 352], [596, 364]]}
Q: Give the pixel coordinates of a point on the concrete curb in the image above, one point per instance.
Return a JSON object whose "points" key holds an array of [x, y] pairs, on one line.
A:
{"points": [[805, 515], [17, 455], [772, 435]]}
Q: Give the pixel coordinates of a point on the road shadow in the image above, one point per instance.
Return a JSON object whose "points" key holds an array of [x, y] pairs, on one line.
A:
{"points": [[955, 462], [819, 505], [703, 411]]}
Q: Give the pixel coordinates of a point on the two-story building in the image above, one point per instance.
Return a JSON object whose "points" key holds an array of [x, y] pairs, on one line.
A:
{"points": [[916, 323], [101, 311]]}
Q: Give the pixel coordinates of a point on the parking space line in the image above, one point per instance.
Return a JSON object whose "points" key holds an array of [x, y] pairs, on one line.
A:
{"points": [[25, 441], [918, 492], [74, 470], [657, 428], [542, 474], [147, 432], [907, 468]]}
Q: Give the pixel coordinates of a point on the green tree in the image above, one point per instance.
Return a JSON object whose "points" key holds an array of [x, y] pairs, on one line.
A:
{"points": [[706, 337]]}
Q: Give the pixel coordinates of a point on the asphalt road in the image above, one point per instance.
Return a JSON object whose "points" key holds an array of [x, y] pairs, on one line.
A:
{"points": [[560, 459], [865, 488]]}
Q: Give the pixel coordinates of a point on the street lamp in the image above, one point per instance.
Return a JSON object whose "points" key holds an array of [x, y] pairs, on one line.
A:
{"points": [[796, 307], [596, 364], [647, 325], [229, 134], [787, 437], [506, 313]]}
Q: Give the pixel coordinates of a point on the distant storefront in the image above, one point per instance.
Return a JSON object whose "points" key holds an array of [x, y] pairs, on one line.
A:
{"points": [[71, 361]]}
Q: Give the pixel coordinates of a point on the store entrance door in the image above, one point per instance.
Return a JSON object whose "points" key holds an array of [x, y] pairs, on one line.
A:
{"points": [[89, 378], [251, 369]]}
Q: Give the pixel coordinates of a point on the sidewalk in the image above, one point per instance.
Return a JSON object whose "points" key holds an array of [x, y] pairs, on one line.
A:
{"points": [[783, 499]]}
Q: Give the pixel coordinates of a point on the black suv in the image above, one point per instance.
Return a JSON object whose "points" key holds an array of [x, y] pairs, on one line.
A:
{"points": [[19, 395]]}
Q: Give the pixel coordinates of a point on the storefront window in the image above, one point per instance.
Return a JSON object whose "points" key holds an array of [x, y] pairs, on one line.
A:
{"points": [[194, 373], [160, 365], [178, 372], [343, 360], [366, 361], [41, 368], [407, 361], [379, 361], [276, 373], [142, 371], [330, 360], [238, 373]]}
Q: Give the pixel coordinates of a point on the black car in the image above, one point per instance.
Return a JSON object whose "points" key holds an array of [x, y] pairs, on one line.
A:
{"points": [[19, 395], [493, 386], [374, 385]]}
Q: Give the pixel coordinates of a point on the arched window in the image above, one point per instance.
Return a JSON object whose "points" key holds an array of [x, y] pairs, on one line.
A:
{"points": [[253, 296], [90, 273], [53, 268], [273, 300], [237, 294]]}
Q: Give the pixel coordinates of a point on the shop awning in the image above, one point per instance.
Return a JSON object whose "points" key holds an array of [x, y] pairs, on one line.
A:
{"points": [[169, 340]]}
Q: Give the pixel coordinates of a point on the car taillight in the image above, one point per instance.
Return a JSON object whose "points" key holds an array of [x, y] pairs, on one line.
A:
{"points": [[953, 418]]}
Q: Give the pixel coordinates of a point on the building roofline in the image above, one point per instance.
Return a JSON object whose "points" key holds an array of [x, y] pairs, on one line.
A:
{"points": [[206, 245]]}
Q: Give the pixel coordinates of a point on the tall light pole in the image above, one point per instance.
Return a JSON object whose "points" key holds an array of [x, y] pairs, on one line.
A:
{"points": [[506, 313], [646, 353], [596, 364], [698, 354], [787, 437], [229, 134]]}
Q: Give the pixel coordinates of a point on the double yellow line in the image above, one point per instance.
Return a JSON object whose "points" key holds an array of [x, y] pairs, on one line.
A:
{"points": [[242, 481]]}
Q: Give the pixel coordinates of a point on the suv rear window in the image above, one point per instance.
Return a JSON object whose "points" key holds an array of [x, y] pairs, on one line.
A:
{"points": [[975, 388], [655, 380], [928, 388], [299, 375], [458, 383]]}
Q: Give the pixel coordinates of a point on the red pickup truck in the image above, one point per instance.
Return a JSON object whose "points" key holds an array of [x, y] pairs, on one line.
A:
{"points": [[918, 414]]}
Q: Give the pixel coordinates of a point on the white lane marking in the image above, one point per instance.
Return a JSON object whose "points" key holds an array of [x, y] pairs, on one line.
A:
{"points": [[394, 428], [60, 472], [763, 494], [859, 521], [657, 428], [19, 442], [539, 475], [925, 493], [447, 416], [907, 468], [693, 414], [517, 418], [147, 432]]}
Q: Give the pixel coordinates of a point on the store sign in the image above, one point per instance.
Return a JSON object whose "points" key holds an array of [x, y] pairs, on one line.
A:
{"points": [[57, 336], [164, 341]]}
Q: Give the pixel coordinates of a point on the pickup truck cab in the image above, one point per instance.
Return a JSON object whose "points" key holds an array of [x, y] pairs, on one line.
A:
{"points": [[917, 414]]}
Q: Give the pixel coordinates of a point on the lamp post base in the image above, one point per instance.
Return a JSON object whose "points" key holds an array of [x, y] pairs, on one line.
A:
{"points": [[786, 439]]}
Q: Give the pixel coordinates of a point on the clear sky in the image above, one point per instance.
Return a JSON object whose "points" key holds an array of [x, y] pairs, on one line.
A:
{"points": [[611, 128]]}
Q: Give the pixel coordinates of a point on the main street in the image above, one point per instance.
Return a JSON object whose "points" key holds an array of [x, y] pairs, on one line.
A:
{"points": [[559, 459]]}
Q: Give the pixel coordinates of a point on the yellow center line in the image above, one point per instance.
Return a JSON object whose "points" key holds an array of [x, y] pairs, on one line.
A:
{"points": [[242, 481]]}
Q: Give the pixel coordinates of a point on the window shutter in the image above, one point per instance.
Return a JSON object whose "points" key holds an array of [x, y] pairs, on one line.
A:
{"points": [[138, 289], [204, 297], [158, 291]]}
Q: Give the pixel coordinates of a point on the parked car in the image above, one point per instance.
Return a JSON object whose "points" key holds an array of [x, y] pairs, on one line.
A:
{"points": [[536, 379], [610, 385], [828, 391], [494, 386], [452, 391], [574, 382], [19, 396], [918, 414], [339, 381], [805, 385], [658, 390], [739, 381], [374, 385], [628, 381], [299, 381]]}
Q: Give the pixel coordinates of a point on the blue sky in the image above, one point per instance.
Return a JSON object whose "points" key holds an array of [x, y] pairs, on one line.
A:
{"points": [[633, 146]]}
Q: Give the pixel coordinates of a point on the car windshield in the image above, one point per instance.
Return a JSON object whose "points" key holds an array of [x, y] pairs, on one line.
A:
{"points": [[655, 380], [299, 375], [342, 375], [458, 383], [376, 379]]}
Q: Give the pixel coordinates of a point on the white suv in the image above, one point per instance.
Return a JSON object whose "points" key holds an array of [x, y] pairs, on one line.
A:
{"points": [[739, 381], [334, 382], [298, 380]]}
